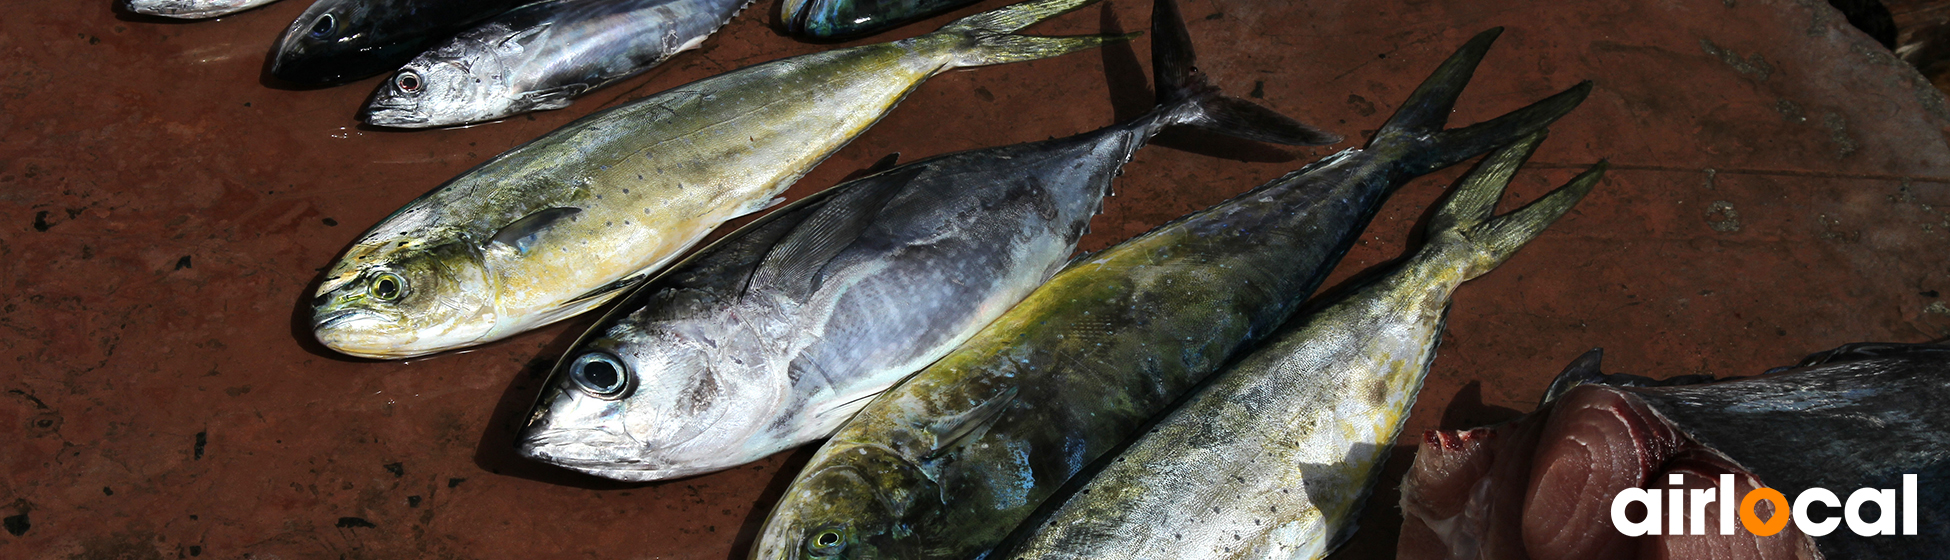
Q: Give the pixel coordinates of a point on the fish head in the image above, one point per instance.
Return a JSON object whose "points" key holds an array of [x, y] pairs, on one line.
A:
{"points": [[462, 81], [398, 298], [646, 401], [335, 41], [854, 501]]}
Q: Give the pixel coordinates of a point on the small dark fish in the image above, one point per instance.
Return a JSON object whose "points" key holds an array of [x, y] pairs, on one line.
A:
{"points": [[775, 336], [949, 461], [540, 57], [338, 41], [841, 19], [1541, 487]]}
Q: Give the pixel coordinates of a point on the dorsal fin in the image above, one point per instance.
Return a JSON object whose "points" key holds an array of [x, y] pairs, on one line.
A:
{"points": [[953, 431], [521, 233], [1584, 370]]}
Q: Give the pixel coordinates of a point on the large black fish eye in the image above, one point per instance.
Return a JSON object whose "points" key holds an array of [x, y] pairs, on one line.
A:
{"points": [[826, 541], [599, 374], [387, 286], [323, 26]]}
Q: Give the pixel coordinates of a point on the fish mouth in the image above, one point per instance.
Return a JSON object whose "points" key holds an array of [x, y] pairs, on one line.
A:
{"points": [[593, 451], [346, 331], [388, 115], [333, 318]]}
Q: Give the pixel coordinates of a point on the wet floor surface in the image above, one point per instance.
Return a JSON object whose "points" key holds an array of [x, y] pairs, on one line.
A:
{"points": [[1779, 187]]}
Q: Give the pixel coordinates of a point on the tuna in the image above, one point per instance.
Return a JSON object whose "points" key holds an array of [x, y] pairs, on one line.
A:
{"points": [[1543, 487]]}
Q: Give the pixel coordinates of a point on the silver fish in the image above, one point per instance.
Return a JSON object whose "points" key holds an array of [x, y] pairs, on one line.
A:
{"points": [[191, 9], [540, 57], [566, 222], [1275, 456], [774, 337]]}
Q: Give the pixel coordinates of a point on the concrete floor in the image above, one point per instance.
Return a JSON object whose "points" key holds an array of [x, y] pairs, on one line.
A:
{"points": [[1779, 188]]}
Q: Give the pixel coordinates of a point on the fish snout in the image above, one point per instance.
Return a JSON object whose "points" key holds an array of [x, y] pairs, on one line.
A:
{"points": [[354, 332], [378, 114]]}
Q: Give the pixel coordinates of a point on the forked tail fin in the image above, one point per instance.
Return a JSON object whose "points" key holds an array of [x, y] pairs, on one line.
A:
{"points": [[1414, 137], [1463, 228]]}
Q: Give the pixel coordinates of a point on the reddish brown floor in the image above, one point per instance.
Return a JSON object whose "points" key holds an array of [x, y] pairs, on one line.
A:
{"points": [[1779, 187]]}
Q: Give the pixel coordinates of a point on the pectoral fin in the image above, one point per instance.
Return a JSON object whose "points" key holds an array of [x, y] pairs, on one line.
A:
{"points": [[553, 98], [520, 40], [954, 431], [521, 233]]}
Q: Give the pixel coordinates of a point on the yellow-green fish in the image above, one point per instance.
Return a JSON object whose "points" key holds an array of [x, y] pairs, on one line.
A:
{"points": [[564, 223], [1274, 457]]}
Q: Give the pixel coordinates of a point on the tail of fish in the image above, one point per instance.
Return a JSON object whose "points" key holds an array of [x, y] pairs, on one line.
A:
{"points": [[1464, 235], [1186, 97], [1415, 140], [989, 37]]}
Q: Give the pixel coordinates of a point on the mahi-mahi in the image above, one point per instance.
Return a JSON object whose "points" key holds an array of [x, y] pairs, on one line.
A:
{"points": [[1275, 457]]}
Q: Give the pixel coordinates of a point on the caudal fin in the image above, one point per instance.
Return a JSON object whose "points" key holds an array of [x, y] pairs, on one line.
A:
{"points": [[1180, 83], [1414, 137], [989, 37], [1464, 228]]}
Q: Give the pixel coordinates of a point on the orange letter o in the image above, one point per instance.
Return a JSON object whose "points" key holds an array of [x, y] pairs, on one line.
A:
{"points": [[1752, 521]]}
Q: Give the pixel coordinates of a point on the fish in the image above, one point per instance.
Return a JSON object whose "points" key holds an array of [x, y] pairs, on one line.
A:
{"points": [[948, 461], [773, 337], [833, 20], [339, 41], [1541, 487], [190, 9], [569, 221], [1275, 457], [541, 57]]}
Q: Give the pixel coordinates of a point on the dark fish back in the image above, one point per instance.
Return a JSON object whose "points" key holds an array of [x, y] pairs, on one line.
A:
{"points": [[1840, 425]]}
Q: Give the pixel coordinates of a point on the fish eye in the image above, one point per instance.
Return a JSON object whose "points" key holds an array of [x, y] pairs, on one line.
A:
{"points": [[408, 81], [599, 374], [387, 287], [827, 541], [323, 26]]}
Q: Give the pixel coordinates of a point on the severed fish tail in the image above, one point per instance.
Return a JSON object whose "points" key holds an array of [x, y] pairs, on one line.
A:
{"points": [[989, 37], [1180, 84], [1415, 139], [1463, 225]]}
